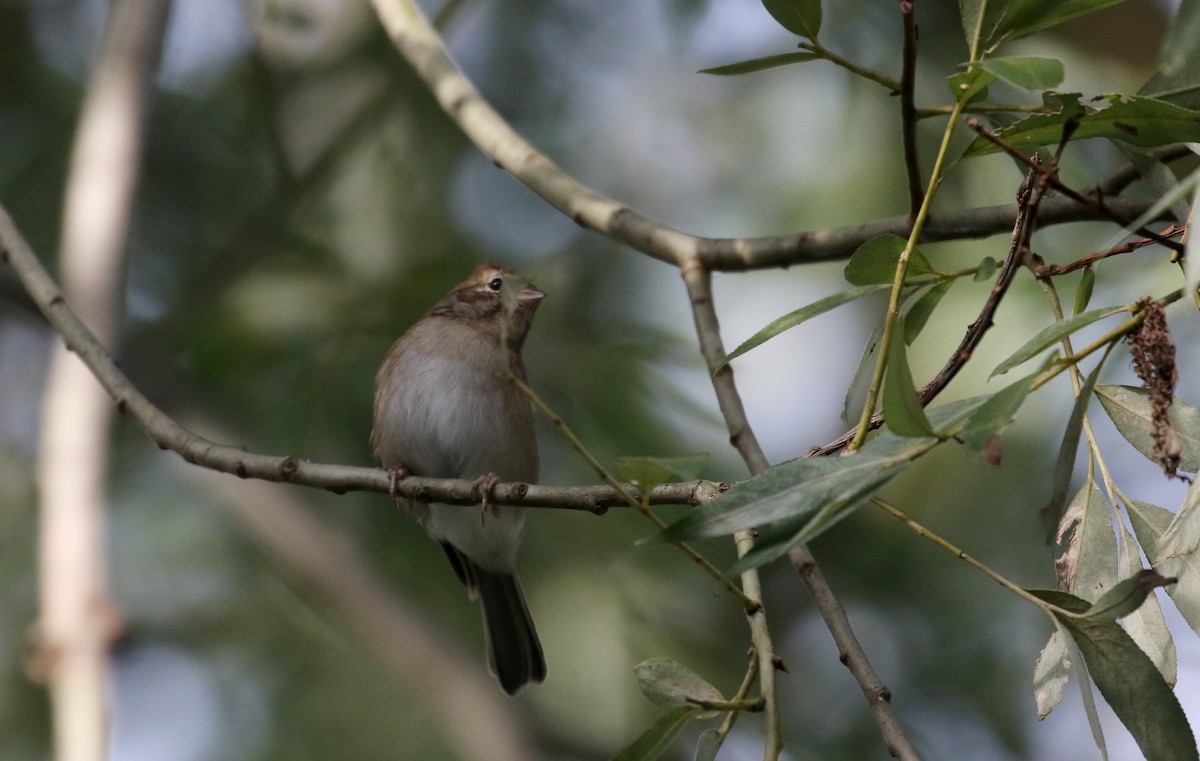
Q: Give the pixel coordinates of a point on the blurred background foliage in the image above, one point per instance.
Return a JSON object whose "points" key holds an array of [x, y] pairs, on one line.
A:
{"points": [[304, 200]]}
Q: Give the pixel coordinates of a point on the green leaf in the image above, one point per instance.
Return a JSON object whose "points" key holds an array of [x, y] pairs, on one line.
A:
{"points": [[1146, 625], [667, 683], [1065, 464], [1087, 564], [1134, 689], [1136, 120], [1051, 672], [856, 390], [1083, 293], [1052, 334], [902, 410], [797, 489], [995, 414], [971, 85], [1024, 17], [708, 745], [658, 736], [987, 268], [1169, 553], [1127, 596], [1177, 81], [803, 314], [1179, 47], [647, 472], [875, 261], [1131, 412], [760, 64], [922, 309], [1026, 72], [801, 17]]}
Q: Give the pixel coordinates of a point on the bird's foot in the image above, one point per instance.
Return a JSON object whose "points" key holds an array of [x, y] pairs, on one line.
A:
{"points": [[484, 485], [396, 474]]}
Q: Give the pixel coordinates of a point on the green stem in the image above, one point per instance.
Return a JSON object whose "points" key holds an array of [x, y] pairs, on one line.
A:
{"points": [[621, 489], [893, 312], [817, 48], [945, 544]]}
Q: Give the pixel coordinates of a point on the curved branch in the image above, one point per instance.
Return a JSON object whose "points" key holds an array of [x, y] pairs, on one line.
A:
{"points": [[486, 128], [169, 434]]}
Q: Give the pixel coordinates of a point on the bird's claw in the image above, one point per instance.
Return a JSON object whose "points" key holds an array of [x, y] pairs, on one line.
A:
{"points": [[396, 474], [484, 485]]}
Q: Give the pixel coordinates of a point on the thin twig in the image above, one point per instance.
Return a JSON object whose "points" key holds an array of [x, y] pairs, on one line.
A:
{"points": [[892, 317], [908, 114], [741, 435], [1054, 270], [1051, 173], [633, 501], [852, 655], [820, 50]]}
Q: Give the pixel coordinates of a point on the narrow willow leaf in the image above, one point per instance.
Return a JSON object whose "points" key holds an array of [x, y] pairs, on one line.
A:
{"points": [[971, 85], [1180, 43], [987, 268], [1151, 524], [782, 538], [902, 410], [802, 17], [1131, 412], [797, 489], [856, 390], [1051, 672], [1052, 334], [994, 415], [658, 736], [1158, 175], [1181, 85], [1127, 596], [708, 744], [1158, 208], [1083, 294], [1024, 17], [667, 683], [875, 261], [803, 314], [1134, 689], [922, 309], [1136, 120], [1026, 72], [760, 64], [1146, 625], [1087, 563], [647, 472], [1065, 464]]}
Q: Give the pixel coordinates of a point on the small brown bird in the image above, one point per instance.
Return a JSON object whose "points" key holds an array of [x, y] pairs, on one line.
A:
{"points": [[446, 407]]}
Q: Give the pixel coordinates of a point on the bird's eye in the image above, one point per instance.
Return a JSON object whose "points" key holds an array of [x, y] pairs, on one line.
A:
{"points": [[495, 283]]}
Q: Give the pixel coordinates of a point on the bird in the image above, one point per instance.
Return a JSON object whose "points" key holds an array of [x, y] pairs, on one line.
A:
{"points": [[447, 406]]}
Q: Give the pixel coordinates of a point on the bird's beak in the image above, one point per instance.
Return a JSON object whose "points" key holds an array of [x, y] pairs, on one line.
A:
{"points": [[530, 295]]}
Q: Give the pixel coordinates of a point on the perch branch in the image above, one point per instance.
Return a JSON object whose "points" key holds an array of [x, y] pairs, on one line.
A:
{"points": [[168, 434]]}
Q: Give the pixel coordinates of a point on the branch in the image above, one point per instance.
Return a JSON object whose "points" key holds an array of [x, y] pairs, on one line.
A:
{"points": [[169, 434], [1054, 270], [417, 41], [1050, 174], [908, 112], [741, 435]]}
